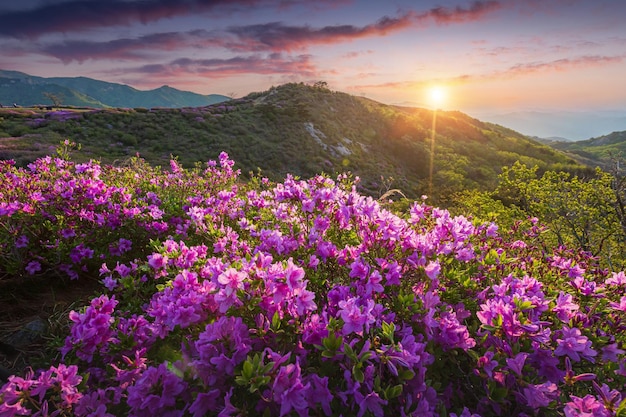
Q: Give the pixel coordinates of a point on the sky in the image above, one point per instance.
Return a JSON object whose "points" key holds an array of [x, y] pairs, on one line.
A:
{"points": [[487, 55]]}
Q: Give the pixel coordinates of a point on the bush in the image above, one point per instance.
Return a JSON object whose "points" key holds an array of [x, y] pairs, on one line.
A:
{"points": [[304, 297]]}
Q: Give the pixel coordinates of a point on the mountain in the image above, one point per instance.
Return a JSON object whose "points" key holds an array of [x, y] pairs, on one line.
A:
{"points": [[293, 129], [550, 140], [27, 90], [568, 125], [600, 151]]}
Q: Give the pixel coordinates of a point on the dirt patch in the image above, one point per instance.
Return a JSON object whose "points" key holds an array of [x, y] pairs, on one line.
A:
{"points": [[34, 318]]}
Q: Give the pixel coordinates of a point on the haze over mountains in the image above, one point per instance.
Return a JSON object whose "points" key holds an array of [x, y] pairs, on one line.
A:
{"points": [[560, 125], [27, 90]]}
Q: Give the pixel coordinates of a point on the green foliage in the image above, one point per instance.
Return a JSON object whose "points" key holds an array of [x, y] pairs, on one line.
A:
{"points": [[577, 212]]}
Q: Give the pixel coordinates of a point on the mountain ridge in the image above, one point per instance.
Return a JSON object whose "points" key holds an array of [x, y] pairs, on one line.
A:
{"points": [[28, 90], [602, 150]]}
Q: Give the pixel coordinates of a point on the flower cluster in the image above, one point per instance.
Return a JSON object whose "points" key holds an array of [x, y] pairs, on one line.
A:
{"points": [[64, 219], [307, 298]]}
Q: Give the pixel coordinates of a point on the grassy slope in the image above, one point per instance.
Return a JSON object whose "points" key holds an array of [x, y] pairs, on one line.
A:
{"points": [[294, 129]]}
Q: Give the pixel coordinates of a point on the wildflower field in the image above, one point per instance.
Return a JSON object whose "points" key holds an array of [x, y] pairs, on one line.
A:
{"points": [[300, 298]]}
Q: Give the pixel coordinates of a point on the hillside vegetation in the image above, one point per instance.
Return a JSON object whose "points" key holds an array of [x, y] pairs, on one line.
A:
{"points": [[297, 129], [220, 297]]}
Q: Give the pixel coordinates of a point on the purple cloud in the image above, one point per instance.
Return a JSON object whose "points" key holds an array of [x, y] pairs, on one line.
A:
{"points": [[216, 68], [273, 36], [78, 15]]}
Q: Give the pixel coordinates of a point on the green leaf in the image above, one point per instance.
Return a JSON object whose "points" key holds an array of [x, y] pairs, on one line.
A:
{"points": [[394, 392], [276, 321], [349, 352], [388, 330], [365, 356], [247, 370], [358, 373], [405, 374]]}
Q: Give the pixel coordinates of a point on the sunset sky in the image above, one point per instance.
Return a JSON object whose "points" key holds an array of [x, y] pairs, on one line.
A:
{"points": [[488, 55]]}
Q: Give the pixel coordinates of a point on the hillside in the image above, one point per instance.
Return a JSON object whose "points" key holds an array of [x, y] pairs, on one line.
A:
{"points": [[297, 129], [596, 151], [27, 90]]}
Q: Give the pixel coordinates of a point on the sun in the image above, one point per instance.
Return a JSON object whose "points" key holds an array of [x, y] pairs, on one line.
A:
{"points": [[437, 95]]}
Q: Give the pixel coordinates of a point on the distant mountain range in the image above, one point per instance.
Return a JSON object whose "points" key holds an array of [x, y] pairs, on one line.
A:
{"points": [[27, 90]]}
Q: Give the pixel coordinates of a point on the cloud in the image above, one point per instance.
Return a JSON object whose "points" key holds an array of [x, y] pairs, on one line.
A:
{"points": [[564, 64], [125, 48], [458, 14], [219, 68], [80, 15], [514, 71], [276, 36], [273, 37]]}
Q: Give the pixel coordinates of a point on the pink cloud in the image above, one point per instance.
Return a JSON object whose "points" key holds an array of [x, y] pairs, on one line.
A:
{"points": [[564, 64], [518, 70]]}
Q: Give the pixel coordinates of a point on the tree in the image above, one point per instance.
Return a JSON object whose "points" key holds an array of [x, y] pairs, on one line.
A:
{"points": [[577, 212], [321, 85]]}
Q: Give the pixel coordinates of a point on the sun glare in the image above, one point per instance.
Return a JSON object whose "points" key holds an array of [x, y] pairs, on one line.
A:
{"points": [[437, 95]]}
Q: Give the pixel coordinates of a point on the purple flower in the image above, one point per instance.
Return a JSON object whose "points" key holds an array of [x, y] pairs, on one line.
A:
{"points": [[318, 393], [611, 398], [433, 269], [220, 348], [621, 306], [372, 403], [205, 402], [588, 406], [517, 364], [453, 334], [355, 316], [610, 352], [540, 395], [618, 278], [21, 242], [109, 282], [231, 281], [288, 390], [155, 392], [33, 267], [573, 344], [465, 413], [92, 329], [565, 307], [157, 261], [487, 363]]}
